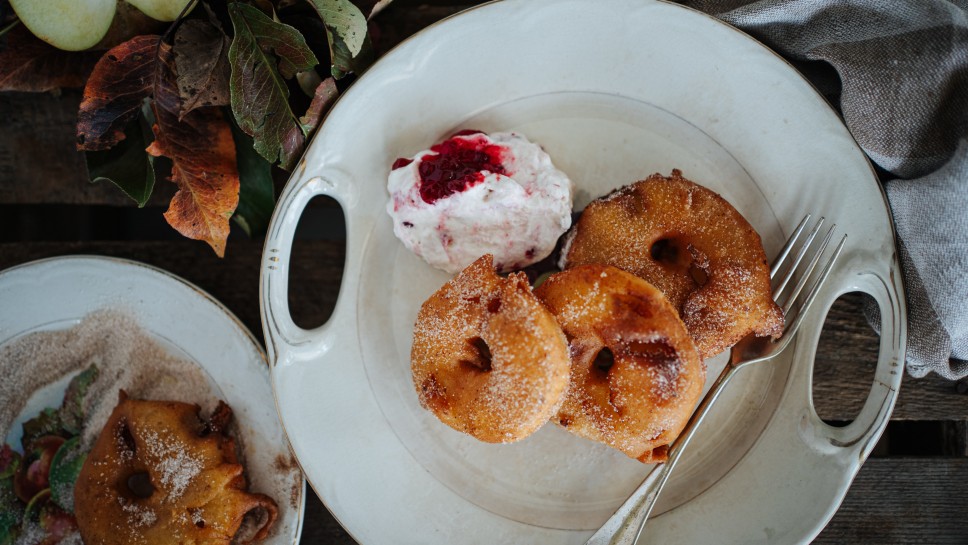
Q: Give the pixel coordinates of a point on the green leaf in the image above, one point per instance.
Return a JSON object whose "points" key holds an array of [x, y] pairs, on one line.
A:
{"points": [[46, 423], [66, 420], [72, 408], [64, 469], [263, 54], [344, 64], [349, 44], [256, 191], [126, 165], [345, 21]]}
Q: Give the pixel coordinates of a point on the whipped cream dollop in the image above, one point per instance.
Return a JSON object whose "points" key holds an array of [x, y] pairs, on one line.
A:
{"points": [[476, 194]]}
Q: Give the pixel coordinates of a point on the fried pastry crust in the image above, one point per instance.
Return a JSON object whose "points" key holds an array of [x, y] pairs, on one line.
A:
{"points": [[487, 358], [636, 375], [159, 474], [691, 244]]}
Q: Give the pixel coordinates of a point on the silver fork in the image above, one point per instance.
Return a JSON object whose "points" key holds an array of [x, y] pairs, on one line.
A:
{"points": [[625, 526]]}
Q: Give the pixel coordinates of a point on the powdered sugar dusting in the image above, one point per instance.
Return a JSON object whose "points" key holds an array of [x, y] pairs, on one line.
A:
{"points": [[175, 467], [138, 516]]}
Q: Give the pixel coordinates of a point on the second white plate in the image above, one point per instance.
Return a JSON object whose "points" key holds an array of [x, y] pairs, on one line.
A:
{"points": [[55, 294]]}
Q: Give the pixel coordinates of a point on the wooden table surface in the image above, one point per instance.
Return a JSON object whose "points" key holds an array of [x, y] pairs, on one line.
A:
{"points": [[914, 488]]}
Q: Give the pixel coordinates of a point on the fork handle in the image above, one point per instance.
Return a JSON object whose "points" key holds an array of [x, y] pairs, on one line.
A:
{"points": [[625, 525]]}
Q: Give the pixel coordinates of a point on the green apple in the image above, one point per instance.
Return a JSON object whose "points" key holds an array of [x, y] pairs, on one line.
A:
{"points": [[73, 25], [76, 25], [162, 10]]}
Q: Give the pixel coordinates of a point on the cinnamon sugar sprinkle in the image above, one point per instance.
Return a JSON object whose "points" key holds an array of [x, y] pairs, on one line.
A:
{"points": [[126, 358]]}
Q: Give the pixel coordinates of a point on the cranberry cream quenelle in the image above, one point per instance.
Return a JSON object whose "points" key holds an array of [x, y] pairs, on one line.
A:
{"points": [[476, 194]]}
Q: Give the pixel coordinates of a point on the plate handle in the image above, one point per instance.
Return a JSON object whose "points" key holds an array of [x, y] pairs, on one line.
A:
{"points": [[283, 337], [861, 435]]}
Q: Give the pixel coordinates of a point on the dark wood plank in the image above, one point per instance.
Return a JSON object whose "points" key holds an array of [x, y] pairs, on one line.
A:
{"points": [[929, 398], [402, 19], [956, 438], [38, 129], [844, 371], [39, 162], [904, 500]]}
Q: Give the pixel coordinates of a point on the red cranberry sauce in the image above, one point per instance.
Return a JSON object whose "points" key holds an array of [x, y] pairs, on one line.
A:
{"points": [[459, 164], [400, 163], [403, 161]]}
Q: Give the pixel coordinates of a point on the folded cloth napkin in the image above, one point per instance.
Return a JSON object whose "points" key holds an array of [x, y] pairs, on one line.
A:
{"points": [[898, 72]]}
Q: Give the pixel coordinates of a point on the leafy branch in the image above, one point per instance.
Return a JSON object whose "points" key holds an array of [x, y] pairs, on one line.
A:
{"points": [[227, 93]]}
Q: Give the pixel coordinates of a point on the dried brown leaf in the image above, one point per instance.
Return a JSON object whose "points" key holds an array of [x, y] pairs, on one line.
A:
{"points": [[120, 82], [203, 154], [201, 58], [323, 98]]}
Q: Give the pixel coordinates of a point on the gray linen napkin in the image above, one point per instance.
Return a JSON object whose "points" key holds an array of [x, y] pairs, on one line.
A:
{"points": [[898, 72]]}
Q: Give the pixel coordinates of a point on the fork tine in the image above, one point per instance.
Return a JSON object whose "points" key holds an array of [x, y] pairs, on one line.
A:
{"points": [[778, 262], [796, 260], [808, 270], [791, 327]]}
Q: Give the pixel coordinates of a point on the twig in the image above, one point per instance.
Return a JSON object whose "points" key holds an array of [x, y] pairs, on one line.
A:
{"points": [[174, 24], [7, 28]]}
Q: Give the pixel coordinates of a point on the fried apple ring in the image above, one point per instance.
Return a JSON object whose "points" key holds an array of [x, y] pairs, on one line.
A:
{"points": [[636, 375], [691, 244], [158, 474], [488, 359]]}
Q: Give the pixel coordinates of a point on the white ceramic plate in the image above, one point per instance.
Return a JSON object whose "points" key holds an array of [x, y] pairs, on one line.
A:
{"points": [[614, 90], [57, 293]]}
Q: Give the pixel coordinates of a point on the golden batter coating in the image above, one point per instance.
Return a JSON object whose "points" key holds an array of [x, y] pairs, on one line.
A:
{"points": [[158, 474], [487, 358], [636, 375], [692, 245]]}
